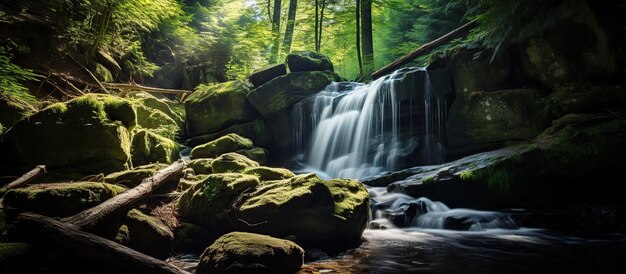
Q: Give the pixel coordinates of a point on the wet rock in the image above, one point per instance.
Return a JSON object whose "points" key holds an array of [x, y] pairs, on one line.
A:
{"points": [[59, 199], [405, 214], [474, 70], [308, 61], [149, 147], [264, 75], [240, 252], [228, 143], [212, 108]]}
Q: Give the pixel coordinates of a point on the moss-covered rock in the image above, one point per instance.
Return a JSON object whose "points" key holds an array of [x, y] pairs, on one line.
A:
{"points": [[145, 234], [269, 173], [86, 135], [156, 121], [209, 202], [200, 166], [256, 154], [264, 75], [149, 147], [191, 238], [256, 131], [228, 143], [308, 61], [13, 109], [133, 177], [60, 199], [477, 69], [164, 105], [213, 108], [487, 120], [14, 257], [240, 252], [232, 162], [284, 91], [313, 211]]}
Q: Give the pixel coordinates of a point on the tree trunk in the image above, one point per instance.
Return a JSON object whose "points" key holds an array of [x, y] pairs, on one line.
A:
{"points": [[358, 36], [424, 49], [40, 229], [269, 11], [90, 217], [291, 21], [317, 22], [25, 179], [321, 26], [275, 32], [366, 35]]}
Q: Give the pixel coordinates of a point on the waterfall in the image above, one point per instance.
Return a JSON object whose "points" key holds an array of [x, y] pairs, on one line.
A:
{"points": [[355, 130]]}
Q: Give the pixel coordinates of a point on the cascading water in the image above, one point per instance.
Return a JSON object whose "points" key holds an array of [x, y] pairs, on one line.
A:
{"points": [[354, 130]]}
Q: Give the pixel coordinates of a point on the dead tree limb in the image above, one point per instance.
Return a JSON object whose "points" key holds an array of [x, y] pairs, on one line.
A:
{"points": [[25, 179], [41, 229], [91, 74], [424, 49], [135, 87], [90, 217]]}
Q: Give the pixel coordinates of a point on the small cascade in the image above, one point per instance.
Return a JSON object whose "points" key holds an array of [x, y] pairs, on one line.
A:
{"points": [[354, 130], [405, 211]]}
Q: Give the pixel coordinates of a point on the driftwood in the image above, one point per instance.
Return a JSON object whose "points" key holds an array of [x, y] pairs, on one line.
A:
{"points": [[423, 50], [38, 228], [25, 179], [90, 217]]}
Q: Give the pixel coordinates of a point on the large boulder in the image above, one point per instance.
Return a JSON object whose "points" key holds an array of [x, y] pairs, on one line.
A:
{"points": [[163, 105], [86, 135], [232, 162], [200, 166], [60, 199], [156, 121], [228, 143], [256, 131], [309, 210], [241, 252], [13, 109], [209, 203], [284, 91], [308, 61], [133, 177], [487, 120], [146, 234], [264, 75], [149, 147], [560, 167], [213, 108], [269, 173]]}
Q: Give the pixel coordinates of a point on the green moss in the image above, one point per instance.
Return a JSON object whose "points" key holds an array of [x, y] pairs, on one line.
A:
{"points": [[60, 199], [227, 143], [241, 252], [466, 175], [350, 197], [207, 202], [13, 109], [429, 180], [156, 121], [201, 166], [232, 162], [149, 147], [103, 73], [269, 173], [163, 105], [308, 61], [129, 178], [256, 154]]}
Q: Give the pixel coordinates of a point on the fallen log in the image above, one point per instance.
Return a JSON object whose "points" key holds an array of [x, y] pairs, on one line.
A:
{"points": [[90, 217], [423, 49], [135, 87], [25, 179], [36, 228]]}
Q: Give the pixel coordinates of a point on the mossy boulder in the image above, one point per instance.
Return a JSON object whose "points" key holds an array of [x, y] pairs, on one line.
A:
{"points": [[86, 135], [163, 104], [488, 120], [308, 61], [60, 199], [209, 203], [256, 131], [146, 234], [149, 147], [269, 173], [191, 238], [256, 154], [241, 252], [228, 143], [133, 177], [232, 162], [200, 166], [216, 107], [264, 75], [156, 121], [284, 91], [13, 109], [560, 167], [314, 212]]}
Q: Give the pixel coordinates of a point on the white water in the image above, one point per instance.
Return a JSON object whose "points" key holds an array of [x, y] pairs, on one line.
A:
{"points": [[352, 130]]}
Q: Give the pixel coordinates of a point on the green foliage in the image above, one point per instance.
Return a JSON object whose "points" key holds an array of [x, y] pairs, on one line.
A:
{"points": [[12, 76]]}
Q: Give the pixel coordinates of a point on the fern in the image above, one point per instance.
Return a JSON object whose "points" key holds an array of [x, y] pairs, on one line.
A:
{"points": [[12, 76]]}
